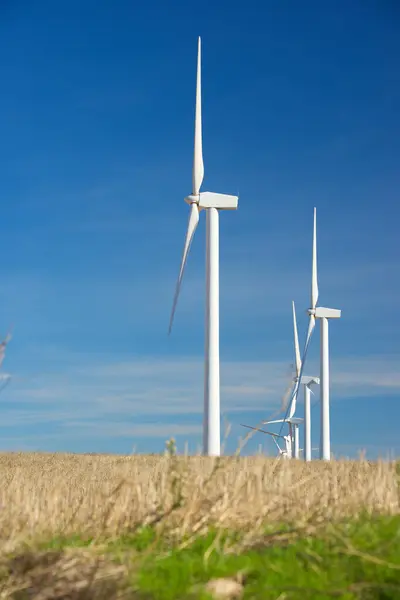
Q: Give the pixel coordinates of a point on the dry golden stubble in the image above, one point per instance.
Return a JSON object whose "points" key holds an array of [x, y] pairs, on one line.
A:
{"points": [[52, 494]]}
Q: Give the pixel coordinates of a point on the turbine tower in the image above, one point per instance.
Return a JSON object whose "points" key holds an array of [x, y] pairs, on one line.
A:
{"points": [[212, 203], [324, 314], [298, 370], [307, 382]]}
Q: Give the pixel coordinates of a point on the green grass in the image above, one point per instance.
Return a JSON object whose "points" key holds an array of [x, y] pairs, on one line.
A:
{"points": [[358, 559]]}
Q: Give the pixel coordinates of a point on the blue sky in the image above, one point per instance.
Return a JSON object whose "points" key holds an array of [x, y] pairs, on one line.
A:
{"points": [[300, 109]]}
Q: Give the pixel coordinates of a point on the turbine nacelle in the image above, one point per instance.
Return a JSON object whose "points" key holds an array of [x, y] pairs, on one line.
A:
{"points": [[327, 313], [324, 313], [294, 420], [305, 380], [206, 200]]}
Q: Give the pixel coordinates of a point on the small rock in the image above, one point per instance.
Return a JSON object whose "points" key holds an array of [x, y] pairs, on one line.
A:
{"points": [[224, 588]]}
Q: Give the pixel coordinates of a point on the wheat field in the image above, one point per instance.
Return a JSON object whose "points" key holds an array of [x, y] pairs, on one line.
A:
{"points": [[52, 494]]}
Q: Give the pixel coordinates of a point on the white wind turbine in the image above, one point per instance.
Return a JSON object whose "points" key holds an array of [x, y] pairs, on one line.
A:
{"points": [[292, 421], [211, 203], [324, 314]]}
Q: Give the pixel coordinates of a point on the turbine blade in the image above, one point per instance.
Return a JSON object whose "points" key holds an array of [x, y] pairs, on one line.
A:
{"points": [[8, 336], [314, 298], [277, 445], [296, 341], [314, 281], [193, 222], [262, 430], [311, 325], [293, 403], [293, 399], [285, 397], [198, 165]]}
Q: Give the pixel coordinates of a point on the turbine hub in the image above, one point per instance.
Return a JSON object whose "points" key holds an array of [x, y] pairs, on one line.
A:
{"points": [[192, 199], [311, 311]]}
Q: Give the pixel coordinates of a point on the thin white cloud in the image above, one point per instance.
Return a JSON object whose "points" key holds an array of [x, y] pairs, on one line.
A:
{"points": [[160, 390], [112, 430]]}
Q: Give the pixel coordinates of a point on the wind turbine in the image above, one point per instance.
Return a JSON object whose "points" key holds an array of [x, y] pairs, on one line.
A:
{"points": [[292, 421], [212, 203], [324, 314]]}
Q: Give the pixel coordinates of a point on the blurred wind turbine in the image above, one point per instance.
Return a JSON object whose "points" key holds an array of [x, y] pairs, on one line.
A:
{"points": [[292, 421], [211, 203]]}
